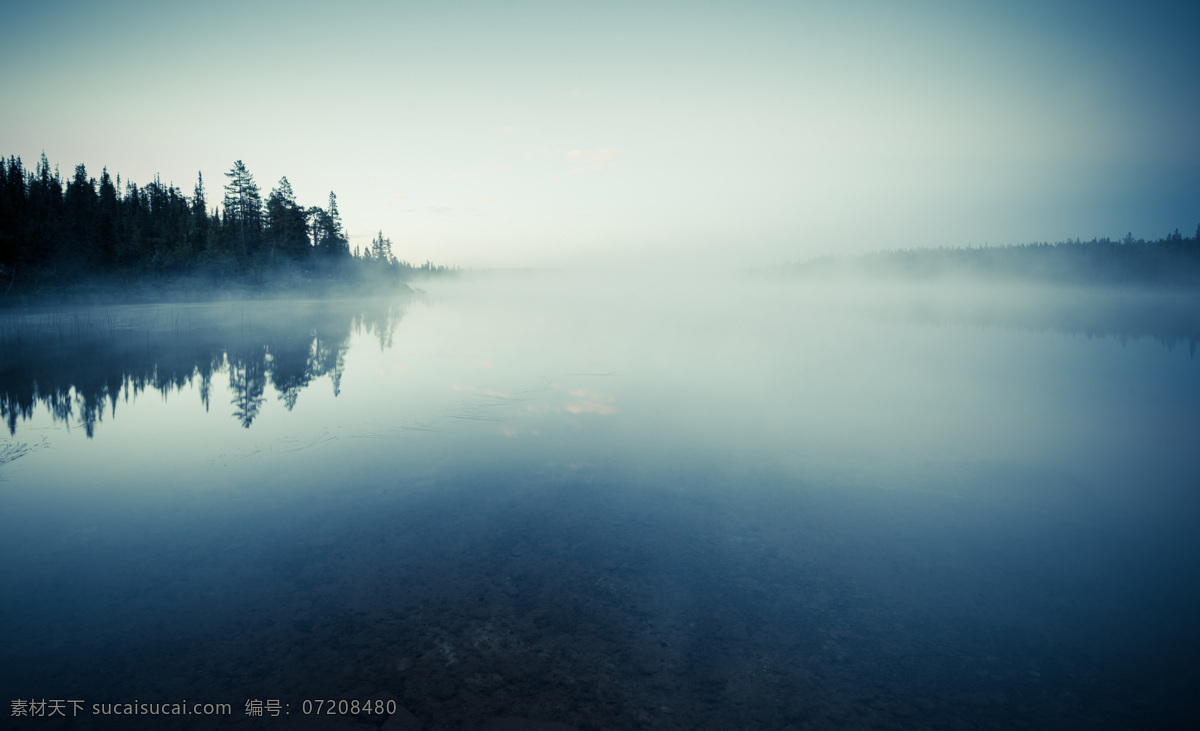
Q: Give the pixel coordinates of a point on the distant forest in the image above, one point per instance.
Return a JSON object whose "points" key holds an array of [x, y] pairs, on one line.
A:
{"points": [[58, 235], [1172, 261]]}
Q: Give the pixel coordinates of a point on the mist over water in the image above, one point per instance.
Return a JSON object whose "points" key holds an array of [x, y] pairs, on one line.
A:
{"points": [[612, 502]]}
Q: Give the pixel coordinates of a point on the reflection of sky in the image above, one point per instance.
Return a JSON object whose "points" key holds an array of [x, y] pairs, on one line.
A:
{"points": [[758, 377], [536, 132], [1028, 477], [587, 402]]}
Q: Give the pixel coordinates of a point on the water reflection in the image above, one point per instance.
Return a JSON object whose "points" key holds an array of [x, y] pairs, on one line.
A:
{"points": [[1171, 318], [81, 365], [614, 507]]}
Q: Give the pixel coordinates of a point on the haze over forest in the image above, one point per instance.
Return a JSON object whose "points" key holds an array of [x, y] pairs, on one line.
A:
{"points": [[549, 134], [818, 364], [60, 235], [56, 235]]}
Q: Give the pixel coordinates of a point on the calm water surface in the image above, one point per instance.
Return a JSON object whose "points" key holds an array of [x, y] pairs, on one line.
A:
{"points": [[609, 505]]}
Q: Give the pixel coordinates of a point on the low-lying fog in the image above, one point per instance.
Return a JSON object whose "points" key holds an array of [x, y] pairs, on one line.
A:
{"points": [[613, 502]]}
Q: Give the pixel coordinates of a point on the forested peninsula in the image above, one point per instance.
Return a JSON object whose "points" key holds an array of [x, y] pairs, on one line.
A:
{"points": [[1169, 262], [84, 238]]}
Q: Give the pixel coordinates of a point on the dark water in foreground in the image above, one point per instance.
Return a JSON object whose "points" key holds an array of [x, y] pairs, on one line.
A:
{"points": [[709, 507]]}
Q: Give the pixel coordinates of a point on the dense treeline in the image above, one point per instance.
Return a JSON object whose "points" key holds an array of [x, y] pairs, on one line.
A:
{"points": [[1171, 261], [56, 233]]}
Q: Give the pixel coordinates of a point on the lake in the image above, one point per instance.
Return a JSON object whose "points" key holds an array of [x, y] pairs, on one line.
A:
{"points": [[546, 501]]}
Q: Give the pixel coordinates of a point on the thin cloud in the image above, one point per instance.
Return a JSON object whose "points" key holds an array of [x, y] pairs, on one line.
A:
{"points": [[592, 161], [591, 155], [476, 173], [473, 206]]}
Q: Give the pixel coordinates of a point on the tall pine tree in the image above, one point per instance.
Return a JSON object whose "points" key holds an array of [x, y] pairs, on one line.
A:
{"points": [[286, 232], [243, 209], [199, 218], [329, 238]]}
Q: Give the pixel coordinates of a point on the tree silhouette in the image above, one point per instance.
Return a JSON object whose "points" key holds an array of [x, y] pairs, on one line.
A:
{"points": [[329, 238], [243, 208], [55, 235], [287, 228], [248, 380]]}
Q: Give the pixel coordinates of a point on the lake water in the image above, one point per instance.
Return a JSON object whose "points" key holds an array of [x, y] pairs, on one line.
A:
{"points": [[611, 504]]}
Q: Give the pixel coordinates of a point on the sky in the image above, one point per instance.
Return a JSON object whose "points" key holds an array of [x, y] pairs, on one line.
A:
{"points": [[560, 133]]}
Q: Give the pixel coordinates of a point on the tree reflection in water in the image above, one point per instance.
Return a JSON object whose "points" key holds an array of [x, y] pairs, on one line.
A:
{"points": [[82, 364]]}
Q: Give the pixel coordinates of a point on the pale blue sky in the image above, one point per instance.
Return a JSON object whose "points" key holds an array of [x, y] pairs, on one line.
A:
{"points": [[551, 133]]}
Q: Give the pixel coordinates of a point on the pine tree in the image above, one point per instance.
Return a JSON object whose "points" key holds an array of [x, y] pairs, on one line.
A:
{"points": [[44, 216], [329, 239], [13, 217], [199, 217], [80, 207], [340, 244], [287, 227], [381, 249], [107, 221], [243, 208]]}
